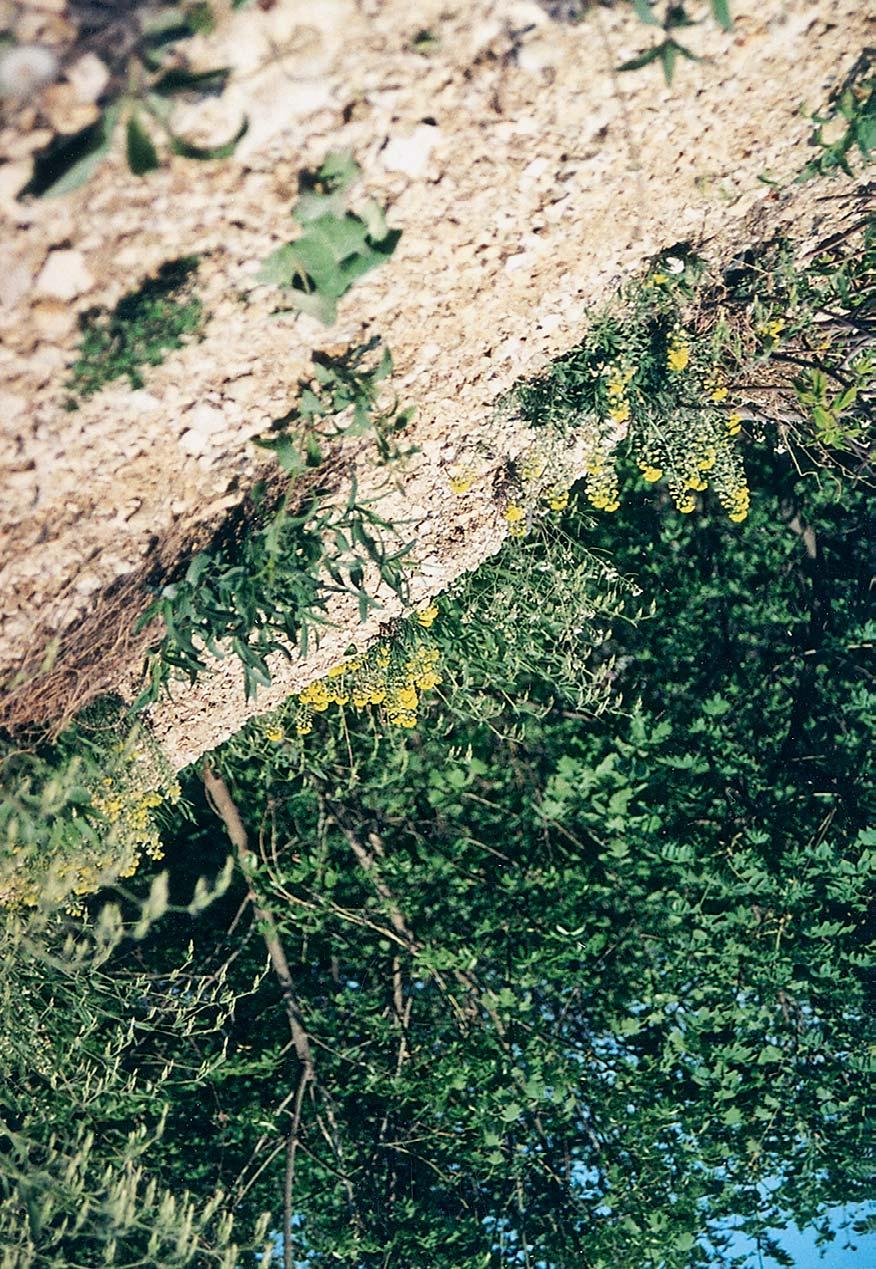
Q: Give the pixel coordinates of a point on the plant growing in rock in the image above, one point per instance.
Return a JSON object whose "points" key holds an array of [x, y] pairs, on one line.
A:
{"points": [[688, 364], [267, 589], [142, 103], [675, 18], [846, 125], [334, 247], [343, 397], [143, 326]]}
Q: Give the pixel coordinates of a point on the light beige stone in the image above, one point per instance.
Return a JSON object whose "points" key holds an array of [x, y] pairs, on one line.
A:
{"points": [[64, 275], [88, 77]]}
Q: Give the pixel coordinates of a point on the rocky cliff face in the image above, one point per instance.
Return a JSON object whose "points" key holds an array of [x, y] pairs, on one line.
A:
{"points": [[528, 180]]}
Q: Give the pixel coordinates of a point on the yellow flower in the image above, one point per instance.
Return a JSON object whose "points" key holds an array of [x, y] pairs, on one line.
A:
{"points": [[734, 423], [611, 506], [620, 413], [514, 513], [404, 719], [651, 474], [337, 670], [460, 484], [304, 726], [771, 329], [719, 394], [708, 460], [426, 616], [738, 516], [275, 734], [658, 279], [559, 501], [678, 355]]}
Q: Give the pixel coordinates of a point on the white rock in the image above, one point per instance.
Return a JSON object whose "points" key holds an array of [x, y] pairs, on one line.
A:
{"points": [[411, 154], [88, 77], [11, 407], [64, 275], [25, 69]]}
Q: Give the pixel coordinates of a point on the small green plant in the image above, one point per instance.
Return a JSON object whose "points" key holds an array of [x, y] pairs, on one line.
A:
{"points": [[144, 107], [669, 49], [681, 364], [142, 327], [335, 246], [342, 397], [80, 812], [267, 590], [642, 372], [848, 124]]}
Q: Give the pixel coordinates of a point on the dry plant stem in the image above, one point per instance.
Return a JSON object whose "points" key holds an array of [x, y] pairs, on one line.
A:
{"points": [[223, 804]]}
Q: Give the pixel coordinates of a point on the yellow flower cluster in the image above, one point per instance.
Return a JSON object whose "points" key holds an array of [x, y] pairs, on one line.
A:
{"points": [[618, 377], [771, 329], [694, 457], [121, 810], [716, 385], [542, 475], [678, 352], [515, 518], [601, 485], [386, 677], [461, 480]]}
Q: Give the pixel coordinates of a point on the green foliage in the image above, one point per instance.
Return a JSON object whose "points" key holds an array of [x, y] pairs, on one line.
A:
{"points": [[334, 248], [848, 124], [581, 990], [139, 331], [341, 398], [145, 106], [688, 364], [267, 590], [807, 334], [81, 1113], [523, 630], [652, 369], [80, 811], [668, 51]]}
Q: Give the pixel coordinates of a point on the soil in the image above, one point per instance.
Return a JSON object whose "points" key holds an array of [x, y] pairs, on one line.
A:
{"points": [[529, 180]]}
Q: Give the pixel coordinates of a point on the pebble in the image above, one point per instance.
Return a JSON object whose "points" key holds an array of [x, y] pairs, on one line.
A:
{"points": [[64, 275]]}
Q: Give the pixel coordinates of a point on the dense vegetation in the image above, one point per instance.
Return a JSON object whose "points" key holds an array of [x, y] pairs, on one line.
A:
{"points": [[565, 987]]}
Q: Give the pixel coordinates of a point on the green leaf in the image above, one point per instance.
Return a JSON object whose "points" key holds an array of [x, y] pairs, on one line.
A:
{"points": [[721, 13], [204, 152], [645, 13], [69, 162], [668, 54], [179, 80], [511, 1112], [642, 59], [141, 153], [280, 267], [339, 170]]}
